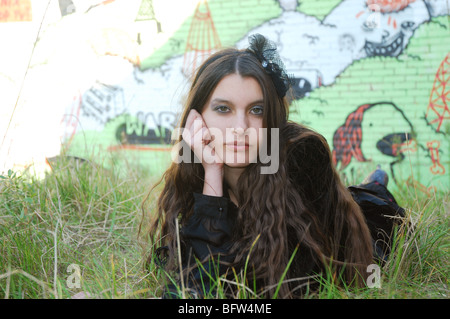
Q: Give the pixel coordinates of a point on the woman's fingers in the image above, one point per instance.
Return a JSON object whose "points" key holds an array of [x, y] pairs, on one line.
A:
{"points": [[197, 135], [193, 114], [188, 131], [194, 125], [207, 134]]}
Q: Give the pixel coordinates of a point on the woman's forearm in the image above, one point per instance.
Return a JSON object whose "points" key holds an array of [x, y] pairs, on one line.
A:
{"points": [[213, 185]]}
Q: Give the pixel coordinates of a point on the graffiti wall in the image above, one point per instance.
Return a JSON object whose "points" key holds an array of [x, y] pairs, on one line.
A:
{"points": [[107, 79]]}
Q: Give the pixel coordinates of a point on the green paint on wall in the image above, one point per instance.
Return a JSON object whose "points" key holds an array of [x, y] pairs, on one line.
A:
{"points": [[317, 8], [407, 82]]}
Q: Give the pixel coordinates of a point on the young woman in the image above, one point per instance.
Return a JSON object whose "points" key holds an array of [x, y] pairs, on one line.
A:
{"points": [[256, 192]]}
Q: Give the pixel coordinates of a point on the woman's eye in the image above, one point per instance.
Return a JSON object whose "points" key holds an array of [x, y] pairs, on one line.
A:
{"points": [[222, 108], [257, 110]]}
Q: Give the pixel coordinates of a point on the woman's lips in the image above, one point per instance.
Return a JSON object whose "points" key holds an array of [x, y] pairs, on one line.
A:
{"points": [[237, 146]]}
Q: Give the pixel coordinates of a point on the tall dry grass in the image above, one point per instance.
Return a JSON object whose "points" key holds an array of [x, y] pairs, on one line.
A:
{"points": [[83, 217]]}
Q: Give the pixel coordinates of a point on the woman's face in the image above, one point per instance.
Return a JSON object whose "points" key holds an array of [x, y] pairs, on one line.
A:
{"points": [[234, 117]]}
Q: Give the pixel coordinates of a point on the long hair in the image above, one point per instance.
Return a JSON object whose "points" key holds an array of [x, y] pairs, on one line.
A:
{"points": [[303, 205]]}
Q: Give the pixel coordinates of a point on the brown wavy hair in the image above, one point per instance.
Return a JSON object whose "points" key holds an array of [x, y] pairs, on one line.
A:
{"points": [[303, 205]]}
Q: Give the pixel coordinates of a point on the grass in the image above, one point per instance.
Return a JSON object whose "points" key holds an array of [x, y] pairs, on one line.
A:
{"points": [[79, 214], [76, 231]]}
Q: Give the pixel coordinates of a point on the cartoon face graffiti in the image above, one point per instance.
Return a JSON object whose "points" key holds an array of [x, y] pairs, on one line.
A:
{"points": [[389, 24], [380, 28], [392, 134]]}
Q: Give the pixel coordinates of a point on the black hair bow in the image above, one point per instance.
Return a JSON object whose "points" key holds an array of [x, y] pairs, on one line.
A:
{"points": [[266, 52]]}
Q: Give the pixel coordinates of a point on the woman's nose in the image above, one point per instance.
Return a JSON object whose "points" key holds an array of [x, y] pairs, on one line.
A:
{"points": [[238, 131], [240, 124]]}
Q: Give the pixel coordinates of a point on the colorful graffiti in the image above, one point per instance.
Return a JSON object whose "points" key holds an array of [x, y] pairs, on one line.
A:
{"points": [[348, 138], [438, 110], [202, 40], [370, 75], [389, 5], [15, 10]]}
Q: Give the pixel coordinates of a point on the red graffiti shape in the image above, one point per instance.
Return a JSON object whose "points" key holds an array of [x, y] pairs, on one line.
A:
{"points": [[347, 138], [202, 39], [389, 5], [438, 111], [437, 168]]}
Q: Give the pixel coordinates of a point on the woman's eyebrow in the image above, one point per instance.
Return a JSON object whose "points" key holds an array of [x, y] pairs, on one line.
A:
{"points": [[220, 100], [261, 101]]}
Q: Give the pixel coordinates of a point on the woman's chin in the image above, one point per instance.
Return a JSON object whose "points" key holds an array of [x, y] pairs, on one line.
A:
{"points": [[240, 159], [236, 165]]}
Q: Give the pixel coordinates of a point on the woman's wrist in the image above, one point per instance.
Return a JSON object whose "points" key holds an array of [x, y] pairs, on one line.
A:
{"points": [[213, 185]]}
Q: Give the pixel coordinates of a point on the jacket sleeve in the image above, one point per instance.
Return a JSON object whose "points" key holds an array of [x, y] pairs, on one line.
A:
{"points": [[382, 214], [208, 231]]}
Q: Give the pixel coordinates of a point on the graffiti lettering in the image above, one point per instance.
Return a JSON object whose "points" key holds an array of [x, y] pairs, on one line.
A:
{"points": [[103, 102], [146, 128], [144, 122]]}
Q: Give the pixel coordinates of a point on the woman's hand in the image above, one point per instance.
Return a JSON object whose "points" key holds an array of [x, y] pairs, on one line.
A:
{"points": [[197, 135]]}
